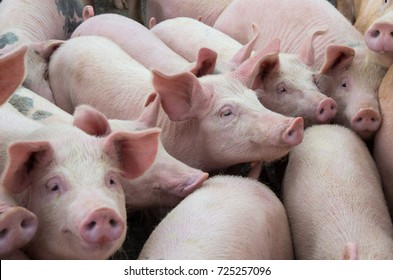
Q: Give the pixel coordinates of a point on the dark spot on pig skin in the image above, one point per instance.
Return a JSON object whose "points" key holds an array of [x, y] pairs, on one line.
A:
{"points": [[41, 115], [21, 103], [72, 11], [8, 39]]}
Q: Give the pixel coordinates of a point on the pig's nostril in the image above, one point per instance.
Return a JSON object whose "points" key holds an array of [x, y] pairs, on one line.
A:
{"points": [[391, 34], [91, 225], [113, 223], [322, 111], [358, 120], [375, 33], [373, 119], [3, 233]]}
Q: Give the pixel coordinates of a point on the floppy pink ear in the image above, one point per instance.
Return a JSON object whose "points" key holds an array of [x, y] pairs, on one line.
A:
{"points": [[149, 114], [22, 158], [91, 121], [135, 151], [46, 48], [249, 70], [12, 72], [206, 62], [245, 52], [180, 94], [337, 57]]}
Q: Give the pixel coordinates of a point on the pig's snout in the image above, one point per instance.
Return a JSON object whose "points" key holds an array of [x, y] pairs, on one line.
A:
{"points": [[379, 37], [293, 135], [365, 122], [17, 227], [326, 110], [101, 226]]}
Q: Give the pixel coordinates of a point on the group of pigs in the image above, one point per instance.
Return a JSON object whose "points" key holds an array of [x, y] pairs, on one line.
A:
{"points": [[102, 117]]}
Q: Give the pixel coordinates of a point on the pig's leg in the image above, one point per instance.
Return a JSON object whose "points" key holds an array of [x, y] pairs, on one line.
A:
{"points": [[17, 227]]}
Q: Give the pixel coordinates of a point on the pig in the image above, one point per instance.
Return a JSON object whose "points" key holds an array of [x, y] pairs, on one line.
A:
{"points": [[206, 10], [175, 33], [164, 184], [237, 218], [192, 120], [350, 73], [74, 189], [132, 37], [17, 226], [382, 154], [334, 200], [43, 23], [12, 72]]}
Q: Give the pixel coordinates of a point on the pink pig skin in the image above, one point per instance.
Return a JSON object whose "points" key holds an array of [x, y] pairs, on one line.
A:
{"points": [[206, 10], [12, 72], [37, 24], [71, 182], [333, 196], [353, 72], [132, 36], [237, 218], [197, 113], [382, 153], [167, 180]]}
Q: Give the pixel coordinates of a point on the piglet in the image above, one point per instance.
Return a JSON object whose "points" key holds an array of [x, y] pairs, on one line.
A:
{"points": [[333, 196], [228, 218], [71, 181]]}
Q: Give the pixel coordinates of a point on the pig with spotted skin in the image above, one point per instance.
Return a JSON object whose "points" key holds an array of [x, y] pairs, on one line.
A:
{"points": [[351, 73], [237, 218], [333, 196], [134, 37], [164, 184], [196, 114], [53, 170], [38, 24]]}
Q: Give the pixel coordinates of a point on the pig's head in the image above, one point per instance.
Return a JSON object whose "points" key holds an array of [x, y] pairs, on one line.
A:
{"points": [[167, 181], [352, 80], [71, 181], [37, 60], [224, 119], [12, 72]]}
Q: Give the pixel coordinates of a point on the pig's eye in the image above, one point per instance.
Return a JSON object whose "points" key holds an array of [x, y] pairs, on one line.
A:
{"points": [[46, 75], [226, 112], [111, 180], [54, 185], [344, 84], [281, 88], [386, 1]]}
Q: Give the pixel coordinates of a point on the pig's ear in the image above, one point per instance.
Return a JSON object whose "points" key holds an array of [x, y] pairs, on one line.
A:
{"points": [[135, 151], [245, 52], [12, 72], [91, 121], [337, 58], [181, 95], [307, 51], [88, 12], [46, 48], [249, 70], [206, 62], [152, 22], [149, 114], [22, 158]]}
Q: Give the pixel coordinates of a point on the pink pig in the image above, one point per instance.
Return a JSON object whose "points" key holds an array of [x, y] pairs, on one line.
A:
{"points": [[237, 218], [333, 196], [38, 24], [71, 182], [132, 37], [351, 73], [164, 183], [209, 123]]}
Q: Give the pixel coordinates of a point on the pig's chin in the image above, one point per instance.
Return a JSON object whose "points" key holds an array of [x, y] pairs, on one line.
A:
{"points": [[83, 250]]}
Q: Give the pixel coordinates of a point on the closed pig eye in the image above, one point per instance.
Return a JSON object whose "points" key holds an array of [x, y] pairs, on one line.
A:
{"points": [[281, 88], [54, 185]]}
